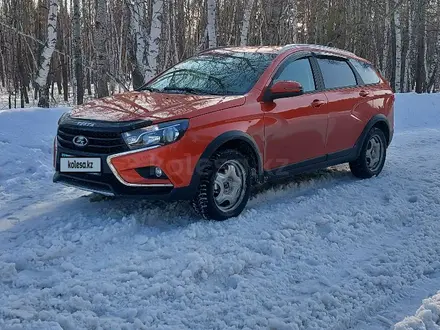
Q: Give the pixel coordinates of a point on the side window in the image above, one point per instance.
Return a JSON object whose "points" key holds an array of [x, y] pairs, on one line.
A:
{"points": [[300, 71], [336, 73], [366, 71]]}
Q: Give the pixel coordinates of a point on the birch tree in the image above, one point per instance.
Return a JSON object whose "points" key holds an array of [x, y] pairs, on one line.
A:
{"points": [[137, 17], [154, 39], [41, 81], [101, 34], [212, 26], [246, 22], [407, 70]]}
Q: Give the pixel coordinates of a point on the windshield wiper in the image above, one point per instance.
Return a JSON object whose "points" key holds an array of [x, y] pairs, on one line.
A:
{"points": [[149, 89], [188, 90]]}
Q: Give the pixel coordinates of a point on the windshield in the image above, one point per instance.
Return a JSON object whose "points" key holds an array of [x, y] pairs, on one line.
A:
{"points": [[232, 73]]}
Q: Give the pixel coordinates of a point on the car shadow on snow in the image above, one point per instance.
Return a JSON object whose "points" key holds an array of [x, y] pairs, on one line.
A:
{"points": [[304, 184], [162, 214], [91, 210], [153, 213]]}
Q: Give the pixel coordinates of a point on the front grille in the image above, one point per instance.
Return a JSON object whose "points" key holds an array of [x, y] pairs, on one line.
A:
{"points": [[99, 142], [78, 181]]}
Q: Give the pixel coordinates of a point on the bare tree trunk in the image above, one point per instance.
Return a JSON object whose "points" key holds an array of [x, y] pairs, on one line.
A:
{"points": [[46, 56], [294, 22], [385, 51], [420, 73], [137, 16], [434, 68], [245, 23], [154, 39], [408, 68], [212, 27], [398, 31], [173, 21], [425, 62], [274, 15], [436, 87], [101, 49], [78, 64]]}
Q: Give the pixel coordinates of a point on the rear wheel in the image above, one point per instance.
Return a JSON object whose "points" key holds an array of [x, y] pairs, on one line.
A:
{"points": [[372, 157], [224, 187]]}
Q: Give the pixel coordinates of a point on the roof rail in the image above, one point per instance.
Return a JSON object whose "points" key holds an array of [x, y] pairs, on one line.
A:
{"points": [[320, 47], [212, 48]]}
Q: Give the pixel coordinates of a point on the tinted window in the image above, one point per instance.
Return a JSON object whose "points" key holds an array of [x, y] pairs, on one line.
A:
{"points": [[218, 73], [366, 71], [336, 73], [300, 71]]}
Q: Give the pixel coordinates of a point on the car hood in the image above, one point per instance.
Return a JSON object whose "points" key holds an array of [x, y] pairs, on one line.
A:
{"points": [[153, 106]]}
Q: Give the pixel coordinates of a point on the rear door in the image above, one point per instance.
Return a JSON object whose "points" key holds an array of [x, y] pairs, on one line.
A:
{"points": [[341, 86]]}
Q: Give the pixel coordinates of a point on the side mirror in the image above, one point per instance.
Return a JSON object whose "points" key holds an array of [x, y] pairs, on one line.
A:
{"points": [[282, 89]]}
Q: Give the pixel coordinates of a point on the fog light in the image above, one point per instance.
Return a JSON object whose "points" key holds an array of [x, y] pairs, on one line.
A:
{"points": [[158, 172]]}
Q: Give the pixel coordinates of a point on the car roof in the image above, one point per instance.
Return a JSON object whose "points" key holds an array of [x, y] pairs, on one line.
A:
{"points": [[282, 49]]}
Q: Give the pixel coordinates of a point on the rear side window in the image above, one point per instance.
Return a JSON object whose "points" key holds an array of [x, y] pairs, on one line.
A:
{"points": [[336, 73], [366, 71], [300, 71]]}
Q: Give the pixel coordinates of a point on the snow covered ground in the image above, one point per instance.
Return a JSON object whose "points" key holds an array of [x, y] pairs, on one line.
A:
{"points": [[325, 251]]}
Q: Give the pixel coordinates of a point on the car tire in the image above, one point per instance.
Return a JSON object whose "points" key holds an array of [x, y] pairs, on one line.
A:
{"points": [[372, 157], [225, 186]]}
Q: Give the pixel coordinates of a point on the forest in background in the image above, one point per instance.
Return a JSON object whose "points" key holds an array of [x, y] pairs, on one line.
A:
{"points": [[77, 49]]}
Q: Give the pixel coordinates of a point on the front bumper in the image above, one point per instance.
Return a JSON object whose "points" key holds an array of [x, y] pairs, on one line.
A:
{"points": [[108, 184], [126, 172]]}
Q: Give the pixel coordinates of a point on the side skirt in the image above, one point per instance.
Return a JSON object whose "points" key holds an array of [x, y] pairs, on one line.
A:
{"points": [[312, 165]]}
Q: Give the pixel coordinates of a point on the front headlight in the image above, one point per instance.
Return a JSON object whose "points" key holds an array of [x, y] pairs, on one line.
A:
{"points": [[156, 135]]}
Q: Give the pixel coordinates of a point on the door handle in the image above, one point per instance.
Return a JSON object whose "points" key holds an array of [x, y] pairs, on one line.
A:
{"points": [[317, 103], [364, 93]]}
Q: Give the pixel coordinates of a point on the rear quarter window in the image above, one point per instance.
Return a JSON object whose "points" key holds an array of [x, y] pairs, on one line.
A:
{"points": [[366, 71], [336, 73]]}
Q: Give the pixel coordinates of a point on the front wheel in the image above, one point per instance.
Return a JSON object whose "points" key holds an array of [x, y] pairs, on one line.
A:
{"points": [[224, 187], [372, 157]]}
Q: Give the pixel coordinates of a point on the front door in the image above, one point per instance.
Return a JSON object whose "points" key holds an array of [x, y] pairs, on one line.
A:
{"points": [[295, 127]]}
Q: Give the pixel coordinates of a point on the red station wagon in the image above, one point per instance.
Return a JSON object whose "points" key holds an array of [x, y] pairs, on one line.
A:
{"points": [[214, 125]]}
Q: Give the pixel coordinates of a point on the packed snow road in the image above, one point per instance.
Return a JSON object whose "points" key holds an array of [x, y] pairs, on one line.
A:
{"points": [[325, 251]]}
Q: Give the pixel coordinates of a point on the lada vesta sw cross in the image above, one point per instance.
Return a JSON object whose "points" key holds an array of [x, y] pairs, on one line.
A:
{"points": [[214, 125]]}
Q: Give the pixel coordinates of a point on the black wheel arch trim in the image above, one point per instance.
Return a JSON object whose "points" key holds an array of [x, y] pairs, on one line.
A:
{"points": [[373, 121], [217, 143]]}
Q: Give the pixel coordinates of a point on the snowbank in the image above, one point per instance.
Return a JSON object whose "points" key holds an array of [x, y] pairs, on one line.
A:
{"points": [[417, 111], [26, 140], [427, 316]]}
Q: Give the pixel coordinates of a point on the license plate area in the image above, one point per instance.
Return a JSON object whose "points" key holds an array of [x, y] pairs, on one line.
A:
{"points": [[80, 165]]}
